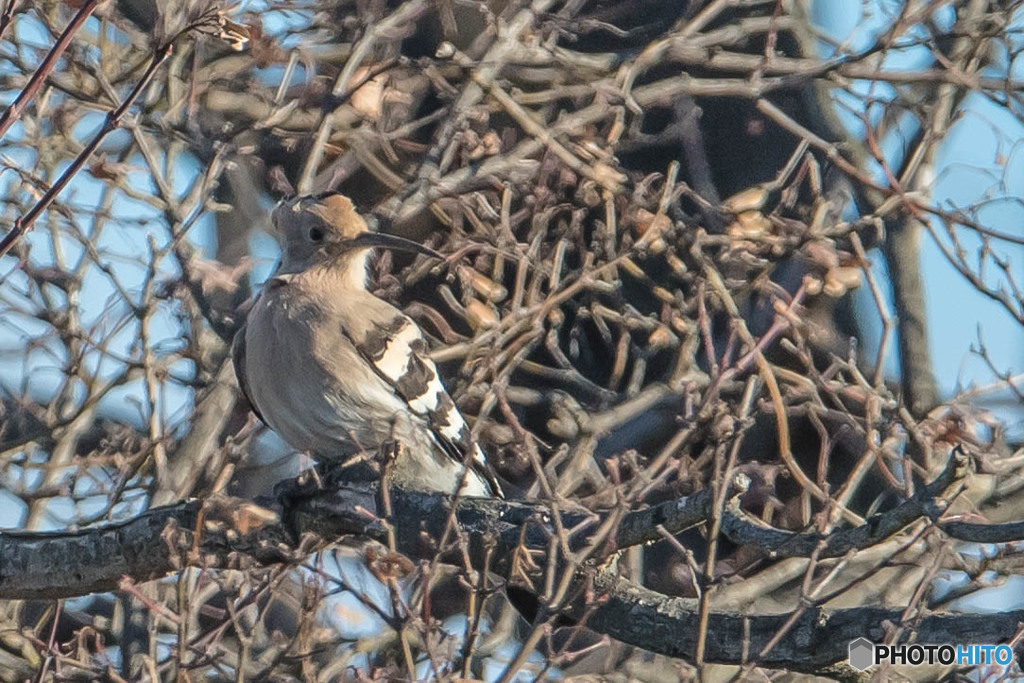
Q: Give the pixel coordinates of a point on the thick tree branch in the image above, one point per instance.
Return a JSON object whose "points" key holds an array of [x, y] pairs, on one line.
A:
{"points": [[212, 535], [817, 638]]}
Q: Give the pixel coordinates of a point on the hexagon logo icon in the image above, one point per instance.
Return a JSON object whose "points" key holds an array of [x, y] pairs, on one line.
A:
{"points": [[862, 654]]}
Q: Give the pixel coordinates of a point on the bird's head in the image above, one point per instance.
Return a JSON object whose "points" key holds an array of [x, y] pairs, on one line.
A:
{"points": [[325, 228]]}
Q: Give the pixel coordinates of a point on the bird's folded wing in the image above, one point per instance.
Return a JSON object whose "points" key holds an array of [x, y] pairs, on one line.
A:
{"points": [[398, 353], [238, 360]]}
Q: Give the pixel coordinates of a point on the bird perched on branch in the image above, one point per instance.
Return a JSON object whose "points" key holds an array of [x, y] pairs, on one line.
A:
{"points": [[333, 369]]}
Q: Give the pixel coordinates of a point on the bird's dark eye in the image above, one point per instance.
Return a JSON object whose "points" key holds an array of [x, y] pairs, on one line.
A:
{"points": [[316, 234]]}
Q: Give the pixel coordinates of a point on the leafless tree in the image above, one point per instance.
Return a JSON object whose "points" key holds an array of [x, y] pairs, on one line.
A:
{"points": [[655, 217]]}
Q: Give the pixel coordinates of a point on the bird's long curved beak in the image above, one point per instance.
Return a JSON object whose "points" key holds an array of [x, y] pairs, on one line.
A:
{"points": [[377, 239]]}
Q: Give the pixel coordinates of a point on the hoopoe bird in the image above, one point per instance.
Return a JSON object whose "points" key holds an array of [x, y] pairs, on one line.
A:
{"points": [[333, 369]]}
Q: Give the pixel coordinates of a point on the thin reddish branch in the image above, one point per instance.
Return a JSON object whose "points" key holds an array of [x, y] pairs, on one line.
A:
{"points": [[7, 16], [110, 124], [13, 113]]}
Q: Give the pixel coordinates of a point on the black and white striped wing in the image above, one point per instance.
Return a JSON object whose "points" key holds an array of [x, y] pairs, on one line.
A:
{"points": [[398, 353]]}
